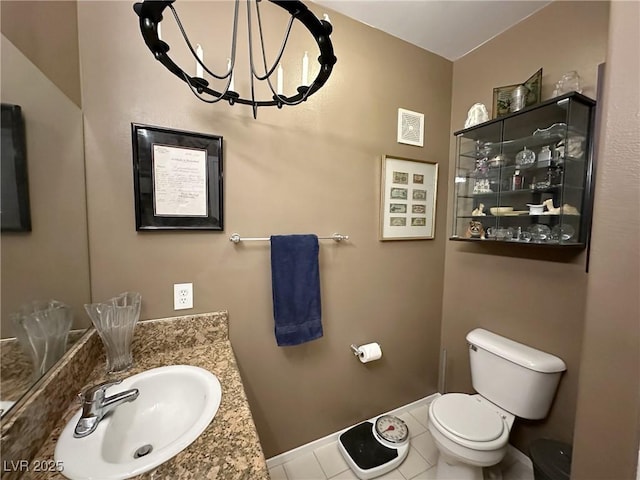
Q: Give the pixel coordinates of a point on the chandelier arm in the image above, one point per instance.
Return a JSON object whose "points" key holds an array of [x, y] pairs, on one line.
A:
{"points": [[234, 40], [282, 47], [193, 52], [195, 91], [303, 93], [150, 14], [252, 80], [321, 31], [280, 99]]}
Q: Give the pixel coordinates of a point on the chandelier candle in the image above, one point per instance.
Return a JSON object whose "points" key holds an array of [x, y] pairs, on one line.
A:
{"points": [[280, 80], [200, 55], [305, 69], [232, 85]]}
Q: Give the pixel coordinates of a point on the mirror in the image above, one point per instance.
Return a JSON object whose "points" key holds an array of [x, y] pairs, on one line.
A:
{"points": [[52, 260]]}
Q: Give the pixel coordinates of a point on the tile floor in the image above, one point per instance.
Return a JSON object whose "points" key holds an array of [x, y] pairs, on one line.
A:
{"points": [[327, 463]]}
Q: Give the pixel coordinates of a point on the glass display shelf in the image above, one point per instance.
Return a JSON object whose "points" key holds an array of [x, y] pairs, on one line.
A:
{"points": [[494, 148], [535, 168]]}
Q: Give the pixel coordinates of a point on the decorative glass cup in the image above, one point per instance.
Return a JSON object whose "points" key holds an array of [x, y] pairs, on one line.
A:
{"points": [[42, 328], [518, 98], [570, 82], [115, 321]]}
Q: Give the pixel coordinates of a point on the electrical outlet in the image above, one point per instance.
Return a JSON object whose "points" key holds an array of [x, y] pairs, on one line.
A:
{"points": [[182, 296]]}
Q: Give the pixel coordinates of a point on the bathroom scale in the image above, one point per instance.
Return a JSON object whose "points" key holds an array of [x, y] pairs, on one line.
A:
{"points": [[374, 448]]}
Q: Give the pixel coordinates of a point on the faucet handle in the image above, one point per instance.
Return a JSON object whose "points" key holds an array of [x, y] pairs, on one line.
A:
{"points": [[97, 392]]}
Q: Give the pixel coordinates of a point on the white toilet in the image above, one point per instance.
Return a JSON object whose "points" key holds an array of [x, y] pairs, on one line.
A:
{"points": [[512, 380]]}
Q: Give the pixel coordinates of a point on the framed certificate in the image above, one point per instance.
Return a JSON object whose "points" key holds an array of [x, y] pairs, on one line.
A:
{"points": [[177, 179]]}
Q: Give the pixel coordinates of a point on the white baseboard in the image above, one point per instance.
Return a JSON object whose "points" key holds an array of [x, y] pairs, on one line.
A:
{"points": [[333, 437], [514, 454]]}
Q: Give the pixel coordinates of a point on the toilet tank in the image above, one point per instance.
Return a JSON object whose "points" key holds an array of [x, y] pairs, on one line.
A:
{"points": [[517, 378]]}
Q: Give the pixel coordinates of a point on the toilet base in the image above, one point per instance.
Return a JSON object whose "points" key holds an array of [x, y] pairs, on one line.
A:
{"points": [[457, 471]]}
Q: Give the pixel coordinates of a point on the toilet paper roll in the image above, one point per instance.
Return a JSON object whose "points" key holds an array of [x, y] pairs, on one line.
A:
{"points": [[369, 352]]}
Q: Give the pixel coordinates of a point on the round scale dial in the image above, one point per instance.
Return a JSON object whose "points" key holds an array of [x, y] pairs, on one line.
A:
{"points": [[391, 430]]}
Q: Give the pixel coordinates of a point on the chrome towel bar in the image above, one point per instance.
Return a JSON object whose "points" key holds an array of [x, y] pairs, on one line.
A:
{"points": [[236, 238]]}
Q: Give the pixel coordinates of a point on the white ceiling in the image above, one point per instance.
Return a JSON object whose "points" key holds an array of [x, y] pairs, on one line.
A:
{"points": [[449, 28]]}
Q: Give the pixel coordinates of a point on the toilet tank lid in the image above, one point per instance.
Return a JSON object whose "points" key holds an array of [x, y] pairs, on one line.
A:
{"points": [[515, 352]]}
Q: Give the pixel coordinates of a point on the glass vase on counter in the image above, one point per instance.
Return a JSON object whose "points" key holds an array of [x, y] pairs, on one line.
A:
{"points": [[115, 321]]}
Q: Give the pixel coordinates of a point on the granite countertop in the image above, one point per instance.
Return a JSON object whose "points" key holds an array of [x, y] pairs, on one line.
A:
{"points": [[17, 367], [229, 449]]}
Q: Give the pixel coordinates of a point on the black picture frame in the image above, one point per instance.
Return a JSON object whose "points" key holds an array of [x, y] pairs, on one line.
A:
{"points": [[16, 211], [178, 179]]}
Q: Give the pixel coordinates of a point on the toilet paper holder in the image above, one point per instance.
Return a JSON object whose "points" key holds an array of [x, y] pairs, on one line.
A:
{"points": [[356, 350]]}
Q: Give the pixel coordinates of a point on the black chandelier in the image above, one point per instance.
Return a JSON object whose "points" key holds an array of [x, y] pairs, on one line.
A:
{"points": [[150, 13]]}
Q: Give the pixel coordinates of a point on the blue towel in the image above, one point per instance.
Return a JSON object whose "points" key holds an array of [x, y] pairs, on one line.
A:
{"points": [[295, 279]]}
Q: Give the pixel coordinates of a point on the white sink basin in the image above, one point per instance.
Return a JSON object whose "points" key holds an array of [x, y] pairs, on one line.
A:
{"points": [[175, 405]]}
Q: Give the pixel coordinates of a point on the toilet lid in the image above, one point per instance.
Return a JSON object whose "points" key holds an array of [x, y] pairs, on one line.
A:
{"points": [[467, 418]]}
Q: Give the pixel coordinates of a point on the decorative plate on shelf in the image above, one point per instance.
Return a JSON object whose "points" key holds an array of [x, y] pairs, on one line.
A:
{"points": [[514, 213], [557, 129], [500, 210]]}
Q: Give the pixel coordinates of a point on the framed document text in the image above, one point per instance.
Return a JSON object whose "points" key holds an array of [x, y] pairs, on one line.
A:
{"points": [[178, 179]]}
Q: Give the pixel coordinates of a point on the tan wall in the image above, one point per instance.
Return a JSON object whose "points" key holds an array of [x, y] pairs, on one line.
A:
{"points": [[52, 260], [532, 296], [47, 33], [371, 290], [312, 168], [606, 434]]}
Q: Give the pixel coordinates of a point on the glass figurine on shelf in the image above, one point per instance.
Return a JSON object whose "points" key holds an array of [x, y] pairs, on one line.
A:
{"points": [[482, 185], [554, 175], [525, 158], [482, 166], [544, 157], [559, 155], [479, 211], [570, 82]]}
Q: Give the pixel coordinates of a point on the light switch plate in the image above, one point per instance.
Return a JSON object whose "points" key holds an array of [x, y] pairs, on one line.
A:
{"points": [[182, 296]]}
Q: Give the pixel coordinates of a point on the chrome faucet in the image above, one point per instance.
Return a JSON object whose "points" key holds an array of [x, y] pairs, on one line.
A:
{"points": [[95, 405]]}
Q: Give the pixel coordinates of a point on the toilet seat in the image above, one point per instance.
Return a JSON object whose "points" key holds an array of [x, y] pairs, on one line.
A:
{"points": [[466, 418], [465, 421]]}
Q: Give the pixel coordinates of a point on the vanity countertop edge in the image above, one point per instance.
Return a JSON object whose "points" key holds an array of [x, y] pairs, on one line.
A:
{"points": [[229, 448]]}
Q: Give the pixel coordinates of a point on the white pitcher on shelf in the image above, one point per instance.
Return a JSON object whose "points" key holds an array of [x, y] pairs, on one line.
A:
{"points": [[477, 114]]}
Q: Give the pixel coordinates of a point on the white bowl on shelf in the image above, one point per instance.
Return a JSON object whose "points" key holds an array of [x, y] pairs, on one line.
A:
{"points": [[535, 209]]}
